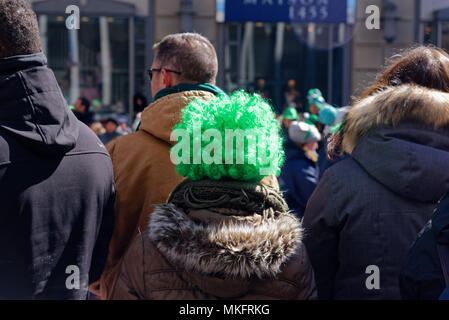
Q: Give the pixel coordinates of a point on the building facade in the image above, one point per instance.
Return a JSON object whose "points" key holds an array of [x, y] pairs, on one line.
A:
{"points": [[108, 57]]}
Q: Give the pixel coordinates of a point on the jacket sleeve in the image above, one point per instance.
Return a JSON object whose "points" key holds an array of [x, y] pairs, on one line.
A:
{"points": [[130, 284], [321, 235]]}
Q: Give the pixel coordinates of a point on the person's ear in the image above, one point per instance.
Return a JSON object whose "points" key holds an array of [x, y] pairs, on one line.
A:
{"points": [[166, 77], [169, 79]]}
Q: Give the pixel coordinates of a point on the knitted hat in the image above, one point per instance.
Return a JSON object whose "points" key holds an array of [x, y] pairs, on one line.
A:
{"points": [[314, 96], [291, 114], [301, 132]]}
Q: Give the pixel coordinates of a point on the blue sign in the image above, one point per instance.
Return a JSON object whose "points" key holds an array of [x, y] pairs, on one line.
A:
{"points": [[301, 11]]}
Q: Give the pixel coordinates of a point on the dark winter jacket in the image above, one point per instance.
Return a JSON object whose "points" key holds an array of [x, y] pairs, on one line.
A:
{"points": [[368, 209], [56, 189], [106, 137], [298, 179], [422, 275], [287, 142]]}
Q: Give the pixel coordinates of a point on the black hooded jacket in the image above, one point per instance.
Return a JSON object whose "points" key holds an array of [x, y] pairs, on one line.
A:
{"points": [[56, 189]]}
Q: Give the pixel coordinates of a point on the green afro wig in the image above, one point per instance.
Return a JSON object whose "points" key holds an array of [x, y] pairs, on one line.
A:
{"points": [[229, 137]]}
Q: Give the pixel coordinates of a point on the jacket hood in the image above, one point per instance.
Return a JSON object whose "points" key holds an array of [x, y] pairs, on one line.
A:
{"points": [[32, 108], [400, 136], [221, 250], [159, 118]]}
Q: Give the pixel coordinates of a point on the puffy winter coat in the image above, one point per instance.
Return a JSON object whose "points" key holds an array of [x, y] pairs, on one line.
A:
{"points": [[246, 247], [368, 209]]}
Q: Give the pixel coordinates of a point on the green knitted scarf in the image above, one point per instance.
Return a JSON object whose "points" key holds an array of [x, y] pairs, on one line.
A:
{"points": [[243, 196]]}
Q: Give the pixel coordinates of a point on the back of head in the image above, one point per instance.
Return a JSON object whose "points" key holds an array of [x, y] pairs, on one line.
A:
{"points": [[423, 66], [191, 54], [85, 103], [19, 31], [301, 132], [426, 67]]}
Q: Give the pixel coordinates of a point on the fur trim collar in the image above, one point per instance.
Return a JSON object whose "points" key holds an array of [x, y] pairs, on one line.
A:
{"points": [[240, 247], [393, 106]]}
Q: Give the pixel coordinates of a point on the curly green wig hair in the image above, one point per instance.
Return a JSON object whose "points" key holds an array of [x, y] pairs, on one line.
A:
{"points": [[229, 137]]}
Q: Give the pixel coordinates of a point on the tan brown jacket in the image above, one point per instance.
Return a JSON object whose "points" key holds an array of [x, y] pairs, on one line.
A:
{"points": [[143, 173], [208, 255]]}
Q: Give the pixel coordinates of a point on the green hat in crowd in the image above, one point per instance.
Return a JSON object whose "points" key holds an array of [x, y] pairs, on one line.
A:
{"points": [[312, 119], [314, 96], [291, 114]]}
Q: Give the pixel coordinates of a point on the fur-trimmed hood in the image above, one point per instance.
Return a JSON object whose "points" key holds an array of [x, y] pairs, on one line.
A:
{"points": [[400, 136], [230, 247]]}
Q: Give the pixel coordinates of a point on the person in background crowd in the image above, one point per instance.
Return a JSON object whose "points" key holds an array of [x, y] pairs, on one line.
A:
{"points": [[111, 133], [324, 162], [97, 128], [299, 174], [314, 101], [425, 274], [262, 88], [320, 113], [81, 111], [123, 128], [293, 96], [368, 208], [140, 103], [56, 183], [227, 234], [184, 68], [289, 115]]}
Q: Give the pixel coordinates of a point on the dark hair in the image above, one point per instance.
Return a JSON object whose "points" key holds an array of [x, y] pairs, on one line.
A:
{"points": [[113, 120], [139, 108], [191, 54], [85, 102], [19, 31], [423, 66]]}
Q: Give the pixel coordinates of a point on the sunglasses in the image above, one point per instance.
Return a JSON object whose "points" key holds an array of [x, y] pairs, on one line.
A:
{"points": [[150, 71]]}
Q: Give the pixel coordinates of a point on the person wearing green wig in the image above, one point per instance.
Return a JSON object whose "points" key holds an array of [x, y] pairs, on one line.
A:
{"points": [[226, 229]]}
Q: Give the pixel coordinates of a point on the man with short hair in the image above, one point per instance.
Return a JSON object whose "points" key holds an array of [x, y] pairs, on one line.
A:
{"points": [[82, 112], [56, 183], [184, 68], [111, 133]]}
